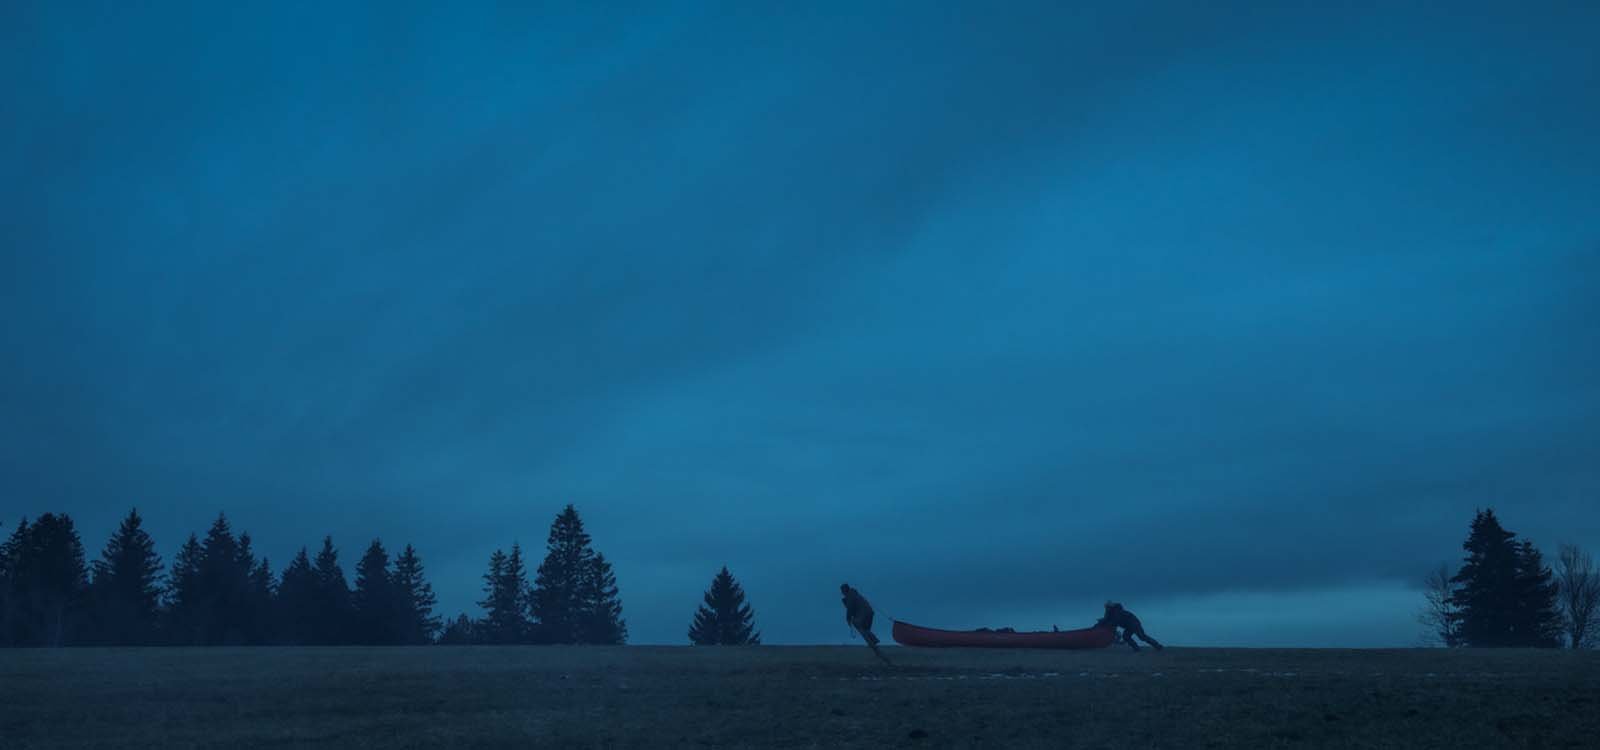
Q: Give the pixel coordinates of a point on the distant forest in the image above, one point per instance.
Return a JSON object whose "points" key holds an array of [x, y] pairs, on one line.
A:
{"points": [[218, 592]]}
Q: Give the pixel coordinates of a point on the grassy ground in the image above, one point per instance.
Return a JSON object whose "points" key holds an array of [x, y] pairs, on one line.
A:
{"points": [[795, 697]]}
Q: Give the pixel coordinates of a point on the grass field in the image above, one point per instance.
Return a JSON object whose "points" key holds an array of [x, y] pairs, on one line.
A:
{"points": [[795, 697]]}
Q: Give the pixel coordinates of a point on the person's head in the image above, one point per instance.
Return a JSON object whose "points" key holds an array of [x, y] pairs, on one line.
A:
{"points": [[844, 588], [1112, 606]]}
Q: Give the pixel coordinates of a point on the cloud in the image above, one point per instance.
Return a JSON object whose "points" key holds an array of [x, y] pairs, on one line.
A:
{"points": [[993, 313]]}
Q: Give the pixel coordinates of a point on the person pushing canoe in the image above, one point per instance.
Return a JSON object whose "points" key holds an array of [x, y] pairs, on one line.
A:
{"points": [[858, 615], [1118, 617]]}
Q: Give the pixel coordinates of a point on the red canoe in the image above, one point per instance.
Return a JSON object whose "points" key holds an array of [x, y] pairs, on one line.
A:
{"points": [[906, 634]]}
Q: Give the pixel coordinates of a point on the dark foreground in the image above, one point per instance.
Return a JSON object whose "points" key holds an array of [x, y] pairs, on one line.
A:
{"points": [[794, 697]]}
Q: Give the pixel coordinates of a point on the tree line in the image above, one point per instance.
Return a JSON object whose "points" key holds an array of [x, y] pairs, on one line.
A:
{"points": [[1504, 594], [217, 591]]}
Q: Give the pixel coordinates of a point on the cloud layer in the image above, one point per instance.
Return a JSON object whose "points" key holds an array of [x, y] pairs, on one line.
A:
{"points": [[1233, 316]]}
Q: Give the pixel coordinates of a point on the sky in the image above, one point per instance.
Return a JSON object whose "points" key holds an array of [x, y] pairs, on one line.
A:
{"points": [[1231, 312]]}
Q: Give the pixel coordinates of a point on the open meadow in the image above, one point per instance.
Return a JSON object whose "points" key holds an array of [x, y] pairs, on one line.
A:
{"points": [[794, 697]]}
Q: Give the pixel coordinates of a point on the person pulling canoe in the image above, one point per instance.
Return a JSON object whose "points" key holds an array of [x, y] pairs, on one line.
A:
{"points": [[858, 615], [1118, 617]]}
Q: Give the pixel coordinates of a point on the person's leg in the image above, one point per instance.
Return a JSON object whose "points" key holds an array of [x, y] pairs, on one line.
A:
{"points": [[1127, 637], [1147, 639]]}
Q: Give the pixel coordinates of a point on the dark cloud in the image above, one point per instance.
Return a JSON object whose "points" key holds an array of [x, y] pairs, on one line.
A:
{"points": [[1234, 314]]}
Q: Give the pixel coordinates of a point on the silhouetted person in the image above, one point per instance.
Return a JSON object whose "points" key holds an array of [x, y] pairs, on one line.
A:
{"points": [[858, 615], [1117, 617]]}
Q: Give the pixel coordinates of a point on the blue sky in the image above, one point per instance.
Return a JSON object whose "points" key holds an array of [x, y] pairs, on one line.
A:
{"points": [[1232, 312]]}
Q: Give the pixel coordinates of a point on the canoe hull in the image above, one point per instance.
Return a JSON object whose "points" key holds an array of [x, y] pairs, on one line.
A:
{"points": [[907, 634]]}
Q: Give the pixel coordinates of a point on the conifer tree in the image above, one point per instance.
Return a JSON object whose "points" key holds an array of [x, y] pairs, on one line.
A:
{"points": [[724, 619], [414, 600], [8, 552], [295, 604], [333, 597], [600, 619], [250, 608], [505, 602], [1539, 620], [1504, 596], [575, 597], [126, 591], [184, 595], [374, 603], [47, 581], [460, 632]]}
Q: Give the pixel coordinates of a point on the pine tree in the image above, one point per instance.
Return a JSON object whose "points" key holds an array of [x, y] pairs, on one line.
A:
{"points": [[333, 597], [247, 605], [1539, 620], [575, 597], [185, 590], [262, 596], [223, 612], [48, 583], [600, 620], [725, 619], [8, 551], [414, 600], [126, 592], [505, 605], [295, 605], [1503, 596], [373, 601], [460, 632]]}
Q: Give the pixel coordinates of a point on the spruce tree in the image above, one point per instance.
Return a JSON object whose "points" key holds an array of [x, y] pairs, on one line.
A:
{"points": [[248, 606], [225, 612], [575, 597], [333, 597], [600, 619], [295, 604], [414, 600], [1504, 596], [262, 597], [8, 551], [185, 591], [49, 583], [724, 619], [1539, 622], [460, 632], [126, 591], [505, 602], [373, 601]]}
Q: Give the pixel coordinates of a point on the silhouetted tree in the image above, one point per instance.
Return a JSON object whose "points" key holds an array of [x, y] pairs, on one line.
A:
{"points": [[297, 620], [249, 600], [185, 602], [1578, 582], [459, 632], [47, 583], [373, 602], [414, 600], [1539, 617], [126, 592], [1503, 597], [505, 602], [1438, 616], [600, 620], [217, 595], [724, 619], [575, 595], [9, 551], [333, 597]]}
